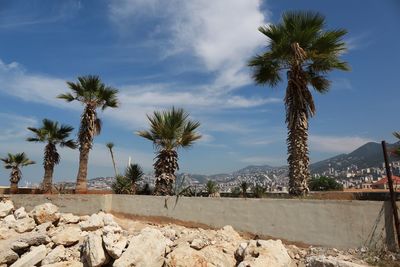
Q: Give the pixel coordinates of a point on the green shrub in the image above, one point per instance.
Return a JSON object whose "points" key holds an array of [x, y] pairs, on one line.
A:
{"points": [[324, 183]]}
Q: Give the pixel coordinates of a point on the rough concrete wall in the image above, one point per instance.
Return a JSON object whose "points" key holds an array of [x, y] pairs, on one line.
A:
{"points": [[78, 204], [341, 224], [334, 223]]}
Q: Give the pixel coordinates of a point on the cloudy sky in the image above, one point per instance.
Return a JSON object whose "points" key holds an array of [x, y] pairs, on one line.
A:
{"points": [[191, 54]]}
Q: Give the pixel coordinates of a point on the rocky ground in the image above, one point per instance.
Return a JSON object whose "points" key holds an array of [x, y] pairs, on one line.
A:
{"points": [[46, 237]]}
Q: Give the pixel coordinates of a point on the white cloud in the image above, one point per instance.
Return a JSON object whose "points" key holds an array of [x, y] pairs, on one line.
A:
{"points": [[15, 126], [336, 144], [222, 34]]}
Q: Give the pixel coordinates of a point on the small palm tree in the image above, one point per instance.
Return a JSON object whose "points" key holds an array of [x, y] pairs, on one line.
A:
{"points": [[15, 162], [52, 134], [244, 186], [169, 131], [122, 185], [212, 188], [93, 94], [110, 147], [258, 191], [302, 47], [134, 173]]}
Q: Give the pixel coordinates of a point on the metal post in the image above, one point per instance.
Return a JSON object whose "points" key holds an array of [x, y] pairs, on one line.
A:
{"points": [[392, 193]]}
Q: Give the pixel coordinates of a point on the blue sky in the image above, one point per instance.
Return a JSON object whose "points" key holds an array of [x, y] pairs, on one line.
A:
{"points": [[190, 54]]}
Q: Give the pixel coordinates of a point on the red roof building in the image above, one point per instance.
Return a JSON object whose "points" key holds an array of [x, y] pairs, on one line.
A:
{"points": [[383, 183]]}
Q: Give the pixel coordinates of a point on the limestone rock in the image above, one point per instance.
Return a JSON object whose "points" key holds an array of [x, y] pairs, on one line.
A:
{"points": [[93, 250], [266, 253], [24, 225], [93, 223], [227, 233], [9, 221], [69, 218], [20, 213], [56, 255], [6, 206], [7, 256], [29, 239], [46, 212], [31, 258], [145, 249], [42, 228], [329, 261], [185, 256], [198, 243], [114, 244], [67, 236], [65, 264]]}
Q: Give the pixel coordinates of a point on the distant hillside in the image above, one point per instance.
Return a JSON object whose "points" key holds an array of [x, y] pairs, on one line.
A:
{"points": [[368, 155]]}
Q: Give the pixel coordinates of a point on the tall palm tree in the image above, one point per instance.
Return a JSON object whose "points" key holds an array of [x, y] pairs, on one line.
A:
{"points": [[15, 162], [301, 47], [134, 173], [93, 94], [52, 134], [110, 147], [169, 131]]}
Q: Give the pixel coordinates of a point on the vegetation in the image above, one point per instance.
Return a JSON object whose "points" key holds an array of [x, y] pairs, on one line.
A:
{"points": [[169, 131], [324, 183], [15, 162], [212, 188], [243, 188], [52, 134], [93, 94], [258, 191], [302, 47], [396, 151], [134, 173], [127, 183], [110, 147]]}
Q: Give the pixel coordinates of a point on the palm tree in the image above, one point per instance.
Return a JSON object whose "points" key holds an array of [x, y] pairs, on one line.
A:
{"points": [[122, 185], [169, 131], [134, 173], [212, 188], [15, 162], [110, 146], [93, 94], [244, 186], [302, 47], [52, 134]]}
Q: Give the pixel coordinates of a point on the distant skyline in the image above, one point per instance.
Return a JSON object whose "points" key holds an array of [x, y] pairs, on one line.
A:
{"points": [[189, 54]]}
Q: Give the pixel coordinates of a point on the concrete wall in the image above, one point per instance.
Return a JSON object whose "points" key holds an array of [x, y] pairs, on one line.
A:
{"points": [[341, 224], [77, 204]]}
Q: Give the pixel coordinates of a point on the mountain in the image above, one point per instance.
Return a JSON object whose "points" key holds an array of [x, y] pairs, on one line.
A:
{"points": [[367, 155]]}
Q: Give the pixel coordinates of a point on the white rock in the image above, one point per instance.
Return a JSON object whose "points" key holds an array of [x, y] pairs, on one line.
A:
{"points": [[65, 264], [24, 225], [42, 228], [69, 218], [46, 212], [266, 253], [114, 244], [6, 206], [56, 255], [93, 250], [329, 261], [31, 258], [198, 243], [145, 249], [7, 256], [93, 223], [20, 213], [239, 253], [9, 221], [67, 236], [30, 239]]}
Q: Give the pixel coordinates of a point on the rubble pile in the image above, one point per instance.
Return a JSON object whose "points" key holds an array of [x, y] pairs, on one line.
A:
{"points": [[46, 237]]}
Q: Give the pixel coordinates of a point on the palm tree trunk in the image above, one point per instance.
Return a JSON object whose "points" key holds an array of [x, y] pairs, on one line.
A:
{"points": [[51, 158], [299, 105], [14, 180], [113, 161], [86, 133], [81, 180], [48, 179], [165, 167]]}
